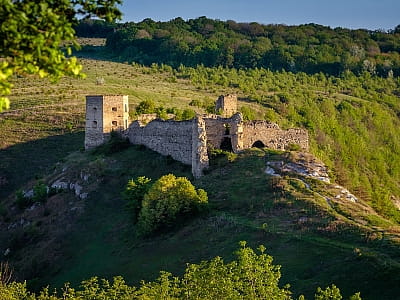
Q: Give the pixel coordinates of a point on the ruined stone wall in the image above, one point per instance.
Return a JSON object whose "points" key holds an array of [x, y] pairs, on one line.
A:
{"points": [[215, 130], [115, 113], [219, 128], [166, 137], [94, 122], [103, 115], [226, 105], [272, 136], [146, 118], [200, 159]]}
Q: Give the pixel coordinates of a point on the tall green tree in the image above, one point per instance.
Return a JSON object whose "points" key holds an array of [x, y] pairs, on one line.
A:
{"points": [[32, 32]]}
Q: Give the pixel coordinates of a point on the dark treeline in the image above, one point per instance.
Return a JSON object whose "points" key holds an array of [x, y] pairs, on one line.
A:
{"points": [[309, 48]]}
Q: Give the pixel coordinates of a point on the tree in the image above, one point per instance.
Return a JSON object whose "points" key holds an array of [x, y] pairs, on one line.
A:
{"points": [[169, 198], [251, 275], [134, 193], [32, 32]]}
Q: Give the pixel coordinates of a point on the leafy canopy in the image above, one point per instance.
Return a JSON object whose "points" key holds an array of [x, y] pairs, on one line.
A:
{"points": [[167, 199], [31, 34], [250, 276]]}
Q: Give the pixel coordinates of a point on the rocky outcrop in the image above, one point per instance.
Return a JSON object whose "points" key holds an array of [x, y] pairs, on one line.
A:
{"points": [[307, 166]]}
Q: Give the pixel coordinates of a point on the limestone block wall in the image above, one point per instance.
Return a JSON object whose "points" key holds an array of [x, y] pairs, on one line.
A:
{"points": [[227, 104], [94, 122], [215, 130], [272, 136], [200, 159], [115, 113], [103, 115], [166, 137]]}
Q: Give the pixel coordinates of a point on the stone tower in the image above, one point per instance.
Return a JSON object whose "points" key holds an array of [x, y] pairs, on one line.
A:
{"points": [[103, 115], [226, 105]]}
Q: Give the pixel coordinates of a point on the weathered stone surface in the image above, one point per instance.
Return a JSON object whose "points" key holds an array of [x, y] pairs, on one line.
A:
{"points": [[60, 185], [103, 115], [226, 105], [271, 136], [199, 147], [166, 137]]}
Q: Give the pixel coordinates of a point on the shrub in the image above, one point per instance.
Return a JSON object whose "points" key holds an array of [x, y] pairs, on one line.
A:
{"points": [[188, 114], [134, 193], [22, 201], [39, 192], [146, 107], [251, 275], [293, 147], [168, 199], [247, 113], [220, 158]]}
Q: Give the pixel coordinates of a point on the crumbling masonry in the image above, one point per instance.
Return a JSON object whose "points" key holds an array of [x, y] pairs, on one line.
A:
{"points": [[187, 141]]}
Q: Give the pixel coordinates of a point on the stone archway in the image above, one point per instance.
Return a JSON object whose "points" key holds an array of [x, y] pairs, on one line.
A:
{"points": [[258, 144]]}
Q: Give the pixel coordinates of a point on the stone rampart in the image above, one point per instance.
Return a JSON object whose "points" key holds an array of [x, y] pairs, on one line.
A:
{"points": [[166, 137], [271, 136]]}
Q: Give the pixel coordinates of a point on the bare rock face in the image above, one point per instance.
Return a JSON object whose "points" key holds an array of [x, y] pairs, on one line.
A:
{"points": [[306, 165]]}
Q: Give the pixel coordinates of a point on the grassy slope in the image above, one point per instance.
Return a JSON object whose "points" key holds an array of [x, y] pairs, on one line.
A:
{"points": [[43, 114], [33, 139], [244, 206]]}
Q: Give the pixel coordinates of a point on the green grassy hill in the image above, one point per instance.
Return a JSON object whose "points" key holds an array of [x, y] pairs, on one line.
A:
{"points": [[316, 242]]}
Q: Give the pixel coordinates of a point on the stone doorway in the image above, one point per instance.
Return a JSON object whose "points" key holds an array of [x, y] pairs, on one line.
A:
{"points": [[258, 144], [226, 144]]}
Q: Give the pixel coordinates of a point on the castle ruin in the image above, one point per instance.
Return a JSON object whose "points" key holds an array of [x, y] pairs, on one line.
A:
{"points": [[187, 141]]}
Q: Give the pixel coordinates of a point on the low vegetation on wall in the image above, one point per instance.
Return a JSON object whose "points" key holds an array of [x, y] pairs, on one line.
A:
{"points": [[149, 107]]}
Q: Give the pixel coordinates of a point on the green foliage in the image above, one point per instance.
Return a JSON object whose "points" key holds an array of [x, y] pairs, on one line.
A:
{"points": [[293, 147], [333, 293], [251, 276], [146, 107], [149, 107], [219, 157], [356, 137], [22, 201], [39, 192], [247, 113], [134, 193], [181, 115], [168, 199], [31, 35], [114, 144], [307, 48]]}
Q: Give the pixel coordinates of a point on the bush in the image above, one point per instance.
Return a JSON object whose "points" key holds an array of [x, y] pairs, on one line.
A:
{"points": [[39, 192], [146, 107], [251, 275], [168, 199], [22, 201], [134, 193], [293, 147]]}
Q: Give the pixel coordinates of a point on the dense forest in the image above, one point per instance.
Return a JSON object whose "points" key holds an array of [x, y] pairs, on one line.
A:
{"points": [[308, 48]]}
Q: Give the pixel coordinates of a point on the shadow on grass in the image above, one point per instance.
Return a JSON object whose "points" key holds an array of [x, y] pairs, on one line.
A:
{"points": [[23, 162]]}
